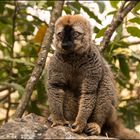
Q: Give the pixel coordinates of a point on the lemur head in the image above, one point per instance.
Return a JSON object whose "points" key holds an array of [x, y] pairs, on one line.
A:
{"points": [[72, 33]]}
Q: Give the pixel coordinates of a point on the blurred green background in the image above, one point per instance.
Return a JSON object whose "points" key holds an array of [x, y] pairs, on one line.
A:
{"points": [[22, 27]]}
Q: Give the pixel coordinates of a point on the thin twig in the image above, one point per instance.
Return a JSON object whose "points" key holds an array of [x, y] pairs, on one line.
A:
{"points": [[3, 88], [9, 105], [13, 28], [6, 95], [117, 20], [12, 56], [134, 43], [56, 12]]}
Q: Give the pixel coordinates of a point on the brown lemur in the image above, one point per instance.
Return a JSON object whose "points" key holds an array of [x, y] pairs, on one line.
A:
{"points": [[80, 85]]}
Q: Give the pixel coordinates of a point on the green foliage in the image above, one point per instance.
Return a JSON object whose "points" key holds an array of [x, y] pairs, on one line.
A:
{"points": [[135, 20], [101, 6], [114, 4], [124, 67], [134, 31], [136, 9], [101, 32], [19, 51], [90, 13]]}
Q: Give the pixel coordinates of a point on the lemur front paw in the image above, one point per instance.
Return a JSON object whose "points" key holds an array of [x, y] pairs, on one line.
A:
{"points": [[60, 122], [78, 126], [92, 129]]}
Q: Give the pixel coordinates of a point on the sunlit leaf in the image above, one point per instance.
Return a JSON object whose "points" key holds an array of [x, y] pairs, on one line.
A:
{"points": [[112, 12], [135, 20], [119, 31], [136, 8], [122, 51], [101, 32], [101, 6], [134, 31], [67, 10], [114, 4], [75, 6], [90, 13]]}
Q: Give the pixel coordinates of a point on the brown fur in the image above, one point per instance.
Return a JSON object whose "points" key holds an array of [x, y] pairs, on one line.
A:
{"points": [[80, 85]]}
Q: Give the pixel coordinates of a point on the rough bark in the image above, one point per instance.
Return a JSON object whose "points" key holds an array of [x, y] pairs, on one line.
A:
{"points": [[37, 127]]}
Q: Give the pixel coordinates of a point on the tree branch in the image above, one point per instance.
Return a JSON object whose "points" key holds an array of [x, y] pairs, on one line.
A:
{"points": [[117, 20], [134, 43], [56, 13], [6, 95], [9, 105]]}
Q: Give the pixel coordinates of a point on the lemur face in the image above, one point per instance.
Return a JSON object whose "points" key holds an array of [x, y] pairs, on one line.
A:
{"points": [[68, 36], [72, 33]]}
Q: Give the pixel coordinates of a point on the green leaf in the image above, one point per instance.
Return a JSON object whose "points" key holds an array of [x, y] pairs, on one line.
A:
{"points": [[90, 13], [119, 34], [114, 4], [75, 6], [124, 67], [16, 86], [111, 13], [134, 31], [119, 29], [135, 20], [138, 71], [50, 3], [101, 32], [136, 8], [96, 29], [101, 6], [67, 10], [3, 75], [17, 61]]}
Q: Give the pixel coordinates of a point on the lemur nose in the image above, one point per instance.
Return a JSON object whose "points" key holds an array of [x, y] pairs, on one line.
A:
{"points": [[66, 45]]}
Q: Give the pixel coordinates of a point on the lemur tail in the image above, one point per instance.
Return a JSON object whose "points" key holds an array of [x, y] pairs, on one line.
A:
{"points": [[118, 130]]}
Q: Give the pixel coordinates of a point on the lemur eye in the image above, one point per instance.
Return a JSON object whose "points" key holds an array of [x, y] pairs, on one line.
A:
{"points": [[76, 34], [60, 35]]}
